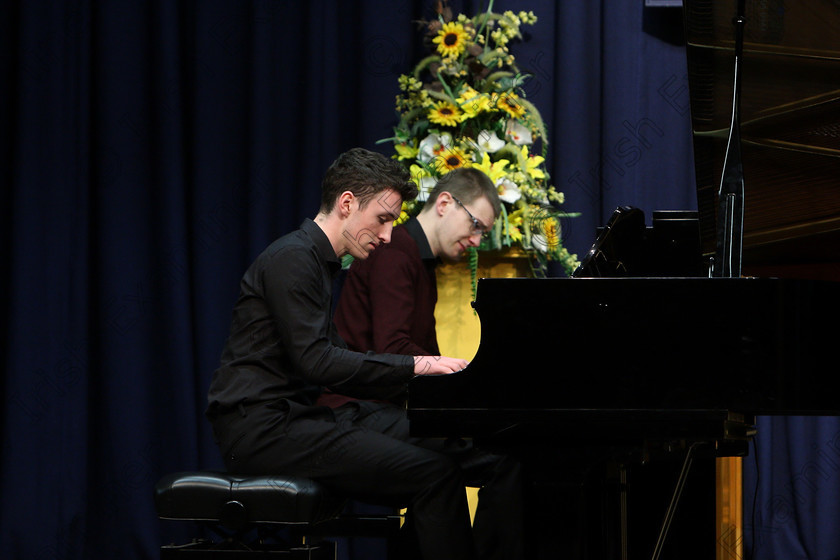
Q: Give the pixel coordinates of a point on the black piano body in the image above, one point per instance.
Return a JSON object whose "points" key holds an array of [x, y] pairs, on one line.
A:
{"points": [[626, 357]]}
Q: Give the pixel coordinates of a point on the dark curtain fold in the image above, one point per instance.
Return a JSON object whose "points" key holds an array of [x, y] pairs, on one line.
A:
{"points": [[151, 149], [791, 489]]}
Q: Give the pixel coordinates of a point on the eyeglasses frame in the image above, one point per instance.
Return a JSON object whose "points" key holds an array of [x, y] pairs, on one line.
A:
{"points": [[478, 227]]}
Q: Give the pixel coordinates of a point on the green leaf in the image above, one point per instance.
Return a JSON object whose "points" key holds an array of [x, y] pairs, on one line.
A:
{"points": [[512, 153], [452, 96], [448, 97], [423, 64], [534, 115], [496, 76]]}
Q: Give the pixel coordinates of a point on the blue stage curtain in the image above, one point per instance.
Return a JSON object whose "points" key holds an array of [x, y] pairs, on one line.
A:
{"points": [[791, 489], [149, 151]]}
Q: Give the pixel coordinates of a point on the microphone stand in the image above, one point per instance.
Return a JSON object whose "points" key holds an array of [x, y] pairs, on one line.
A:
{"points": [[730, 221]]}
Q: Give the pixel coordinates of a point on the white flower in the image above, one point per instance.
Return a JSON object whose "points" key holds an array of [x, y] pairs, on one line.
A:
{"points": [[424, 187], [519, 134], [489, 142], [539, 242], [433, 145], [508, 190]]}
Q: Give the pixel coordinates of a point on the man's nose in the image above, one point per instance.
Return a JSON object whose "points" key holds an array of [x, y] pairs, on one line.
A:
{"points": [[385, 234]]}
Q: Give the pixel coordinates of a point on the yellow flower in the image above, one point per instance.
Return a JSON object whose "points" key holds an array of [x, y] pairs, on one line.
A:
{"points": [[451, 158], [509, 103], [404, 151], [473, 102], [445, 113], [424, 180], [555, 195], [513, 222], [451, 39], [551, 230], [409, 83], [532, 164], [495, 170], [407, 210], [403, 215], [417, 172]]}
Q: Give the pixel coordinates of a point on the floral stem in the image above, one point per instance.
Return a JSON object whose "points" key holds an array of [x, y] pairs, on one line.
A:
{"points": [[473, 260]]}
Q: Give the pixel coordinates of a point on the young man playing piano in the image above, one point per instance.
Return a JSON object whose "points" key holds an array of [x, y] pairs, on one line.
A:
{"points": [[387, 304], [283, 349]]}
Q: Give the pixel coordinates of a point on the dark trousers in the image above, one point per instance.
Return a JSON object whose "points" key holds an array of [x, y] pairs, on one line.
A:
{"points": [[364, 451]]}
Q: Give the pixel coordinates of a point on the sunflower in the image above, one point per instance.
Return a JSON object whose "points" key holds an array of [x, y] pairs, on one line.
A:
{"points": [[451, 158], [445, 113], [509, 102], [451, 39]]}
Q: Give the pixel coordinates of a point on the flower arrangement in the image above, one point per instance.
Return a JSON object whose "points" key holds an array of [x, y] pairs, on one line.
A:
{"points": [[464, 106]]}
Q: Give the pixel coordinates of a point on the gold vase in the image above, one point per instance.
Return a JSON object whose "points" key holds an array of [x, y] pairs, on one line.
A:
{"points": [[458, 327]]}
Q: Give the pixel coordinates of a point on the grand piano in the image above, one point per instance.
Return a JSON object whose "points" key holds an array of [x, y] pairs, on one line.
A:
{"points": [[666, 371], [651, 358]]}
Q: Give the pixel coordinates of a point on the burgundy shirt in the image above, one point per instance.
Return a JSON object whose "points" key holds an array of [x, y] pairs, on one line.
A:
{"points": [[387, 302]]}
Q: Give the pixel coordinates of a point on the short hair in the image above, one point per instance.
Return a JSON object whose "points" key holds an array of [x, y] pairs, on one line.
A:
{"points": [[466, 184], [365, 174]]}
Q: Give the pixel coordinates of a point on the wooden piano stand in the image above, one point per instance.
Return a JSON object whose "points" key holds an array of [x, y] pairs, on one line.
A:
{"points": [[729, 515]]}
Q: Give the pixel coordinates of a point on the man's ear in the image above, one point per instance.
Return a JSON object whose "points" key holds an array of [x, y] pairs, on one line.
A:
{"points": [[344, 204], [444, 199]]}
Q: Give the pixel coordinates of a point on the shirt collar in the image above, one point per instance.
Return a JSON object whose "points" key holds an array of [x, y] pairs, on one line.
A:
{"points": [[322, 242], [415, 230]]}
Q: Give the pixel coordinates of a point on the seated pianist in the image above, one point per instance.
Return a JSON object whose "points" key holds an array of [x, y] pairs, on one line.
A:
{"points": [[283, 350]]}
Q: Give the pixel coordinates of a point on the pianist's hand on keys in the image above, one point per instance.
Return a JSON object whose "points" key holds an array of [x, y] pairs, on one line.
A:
{"points": [[436, 365]]}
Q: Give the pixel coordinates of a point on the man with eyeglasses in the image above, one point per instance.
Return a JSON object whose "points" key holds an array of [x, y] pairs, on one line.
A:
{"points": [[387, 304]]}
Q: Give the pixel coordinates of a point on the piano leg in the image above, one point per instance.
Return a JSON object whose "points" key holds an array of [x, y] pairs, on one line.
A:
{"points": [[675, 499], [671, 506]]}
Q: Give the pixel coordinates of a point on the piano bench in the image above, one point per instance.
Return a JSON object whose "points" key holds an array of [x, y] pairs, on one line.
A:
{"points": [[261, 515]]}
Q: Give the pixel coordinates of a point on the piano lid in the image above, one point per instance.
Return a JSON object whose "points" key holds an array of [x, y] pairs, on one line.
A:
{"points": [[790, 123]]}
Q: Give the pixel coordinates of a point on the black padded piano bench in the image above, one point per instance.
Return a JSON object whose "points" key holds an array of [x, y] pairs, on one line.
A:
{"points": [[260, 516]]}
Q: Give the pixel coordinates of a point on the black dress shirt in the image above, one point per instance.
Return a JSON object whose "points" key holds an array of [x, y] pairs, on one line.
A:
{"points": [[282, 342]]}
